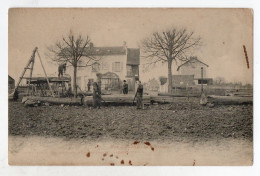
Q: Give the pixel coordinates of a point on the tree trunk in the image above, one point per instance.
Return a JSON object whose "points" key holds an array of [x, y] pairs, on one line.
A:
{"points": [[75, 81], [170, 76]]}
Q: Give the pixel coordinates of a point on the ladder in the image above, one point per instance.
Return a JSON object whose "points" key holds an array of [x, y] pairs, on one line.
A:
{"points": [[29, 66]]}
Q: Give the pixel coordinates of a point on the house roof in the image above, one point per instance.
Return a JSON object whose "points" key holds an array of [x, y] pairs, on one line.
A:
{"points": [[192, 60], [97, 51], [104, 51], [133, 56]]}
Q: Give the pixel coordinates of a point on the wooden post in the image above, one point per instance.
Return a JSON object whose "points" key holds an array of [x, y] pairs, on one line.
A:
{"points": [[45, 74], [26, 67], [201, 79], [31, 70]]}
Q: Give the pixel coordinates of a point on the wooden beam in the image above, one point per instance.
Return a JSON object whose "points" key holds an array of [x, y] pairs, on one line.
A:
{"points": [[45, 74], [54, 100]]}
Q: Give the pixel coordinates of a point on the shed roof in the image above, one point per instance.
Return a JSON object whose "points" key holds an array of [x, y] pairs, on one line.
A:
{"points": [[9, 77]]}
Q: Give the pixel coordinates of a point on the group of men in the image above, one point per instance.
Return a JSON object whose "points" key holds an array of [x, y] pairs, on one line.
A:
{"points": [[138, 96], [97, 89]]}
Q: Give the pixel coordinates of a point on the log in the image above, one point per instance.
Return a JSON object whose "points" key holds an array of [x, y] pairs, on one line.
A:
{"points": [[217, 100], [118, 99], [165, 99], [90, 93], [230, 100], [178, 95], [54, 100]]}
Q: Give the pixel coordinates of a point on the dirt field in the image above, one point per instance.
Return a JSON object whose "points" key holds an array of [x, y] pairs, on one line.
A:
{"points": [[178, 121]]}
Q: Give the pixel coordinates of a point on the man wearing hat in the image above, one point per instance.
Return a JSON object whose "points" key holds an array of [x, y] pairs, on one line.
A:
{"points": [[61, 69], [125, 87], [96, 95], [139, 95]]}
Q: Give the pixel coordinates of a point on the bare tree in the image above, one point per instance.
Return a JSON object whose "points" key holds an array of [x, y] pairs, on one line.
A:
{"points": [[168, 46], [219, 81], [72, 50]]}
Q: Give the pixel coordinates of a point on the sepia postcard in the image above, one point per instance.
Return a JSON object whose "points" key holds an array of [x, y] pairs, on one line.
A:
{"points": [[130, 87]]}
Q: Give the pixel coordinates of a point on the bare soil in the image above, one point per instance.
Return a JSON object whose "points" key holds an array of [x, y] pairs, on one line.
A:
{"points": [[180, 120]]}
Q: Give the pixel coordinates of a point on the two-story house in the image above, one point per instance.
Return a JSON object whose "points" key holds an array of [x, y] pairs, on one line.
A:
{"points": [[192, 72], [114, 64]]}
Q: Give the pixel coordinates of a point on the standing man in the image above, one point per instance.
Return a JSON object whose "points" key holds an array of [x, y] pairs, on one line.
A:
{"points": [[16, 95], [139, 95], [69, 90], [96, 96], [99, 76], [125, 87], [89, 84], [61, 69], [60, 90]]}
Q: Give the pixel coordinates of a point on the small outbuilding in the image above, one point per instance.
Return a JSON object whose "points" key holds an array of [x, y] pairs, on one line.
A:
{"points": [[11, 84], [193, 67]]}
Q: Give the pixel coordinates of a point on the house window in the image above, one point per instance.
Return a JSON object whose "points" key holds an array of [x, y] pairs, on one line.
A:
{"points": [[96, 67], [129, 70], [132, 70], [105, 66], [200, 81], [116, 67]]}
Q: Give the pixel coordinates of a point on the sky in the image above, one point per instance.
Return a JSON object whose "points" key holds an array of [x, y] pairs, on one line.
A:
{"points": [[223, 33]]}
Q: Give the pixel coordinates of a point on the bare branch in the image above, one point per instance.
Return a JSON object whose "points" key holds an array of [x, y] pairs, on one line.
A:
{"points": [[170, 45]]}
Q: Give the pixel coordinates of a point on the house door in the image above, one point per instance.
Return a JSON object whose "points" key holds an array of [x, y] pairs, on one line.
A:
{"points": [[131, 84], [110, 83]]}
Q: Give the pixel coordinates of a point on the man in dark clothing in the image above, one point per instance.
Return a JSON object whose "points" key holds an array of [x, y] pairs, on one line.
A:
{"points": [[96, 95], [69, 91], [125, 87], [89, 84], [61, 69], [16, 95], [139, 95]]}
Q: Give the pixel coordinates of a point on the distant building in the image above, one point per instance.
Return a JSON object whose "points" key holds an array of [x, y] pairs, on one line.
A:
{"points": [[192, 69], [153, 85], [115, 65], [11, 84], [182, 80], [188, 75]]}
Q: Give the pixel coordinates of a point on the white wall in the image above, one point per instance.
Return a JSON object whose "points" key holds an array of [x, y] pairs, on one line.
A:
{"points": [[85, 73], [193, 69]]}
